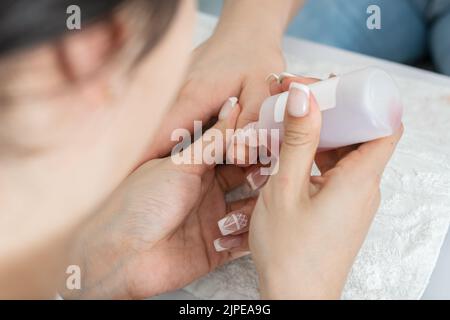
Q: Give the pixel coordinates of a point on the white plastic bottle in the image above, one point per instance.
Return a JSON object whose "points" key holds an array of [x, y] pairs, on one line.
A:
{"points": [[356, 107]]}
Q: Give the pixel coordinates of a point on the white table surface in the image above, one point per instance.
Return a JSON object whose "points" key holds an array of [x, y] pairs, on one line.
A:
{"points": [[439, 286]]}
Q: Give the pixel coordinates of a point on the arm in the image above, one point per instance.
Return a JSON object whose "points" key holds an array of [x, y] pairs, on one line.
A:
{"points": [[245, 18]]}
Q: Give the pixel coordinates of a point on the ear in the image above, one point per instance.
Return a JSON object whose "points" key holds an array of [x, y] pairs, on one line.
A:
{"points": [[84, 54]]}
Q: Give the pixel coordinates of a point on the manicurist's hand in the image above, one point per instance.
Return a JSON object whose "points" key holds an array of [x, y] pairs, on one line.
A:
{"points": [[160, 231], [306, 231]]}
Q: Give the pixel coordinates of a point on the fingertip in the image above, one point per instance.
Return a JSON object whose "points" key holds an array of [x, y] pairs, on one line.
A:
{"points": [[227, 108], [313, 116]]}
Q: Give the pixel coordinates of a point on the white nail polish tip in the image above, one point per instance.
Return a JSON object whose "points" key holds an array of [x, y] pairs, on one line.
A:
{"points": [[300, 86], [233, 101], [251, 182], [233, 223], [222, 228], [286, 75], [273, 76], [217, 246], [227, 107]]}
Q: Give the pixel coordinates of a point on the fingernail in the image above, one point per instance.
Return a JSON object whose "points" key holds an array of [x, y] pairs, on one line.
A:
{"points": [[232, 223], [227, 243], [298, 100], [227, 108], [285, 75], [273, 77], [256, 180]]}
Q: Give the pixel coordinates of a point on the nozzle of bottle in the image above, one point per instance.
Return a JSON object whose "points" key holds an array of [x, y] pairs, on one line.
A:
{"points": [[356, 107]]}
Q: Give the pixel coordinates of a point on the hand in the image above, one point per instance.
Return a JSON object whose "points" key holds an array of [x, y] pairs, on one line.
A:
{"points": [[157, 232], [224, 66], [304, 240]]}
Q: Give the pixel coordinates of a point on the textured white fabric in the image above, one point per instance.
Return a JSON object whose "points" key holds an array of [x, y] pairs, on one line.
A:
{"points": [[403, 244]]}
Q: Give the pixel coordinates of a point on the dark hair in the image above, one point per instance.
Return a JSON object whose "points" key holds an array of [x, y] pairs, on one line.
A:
{"points": [[25, 23]]}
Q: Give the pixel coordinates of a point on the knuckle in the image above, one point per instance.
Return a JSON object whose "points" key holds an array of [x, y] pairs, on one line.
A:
{"points": [[299, 135], [188, 94]]}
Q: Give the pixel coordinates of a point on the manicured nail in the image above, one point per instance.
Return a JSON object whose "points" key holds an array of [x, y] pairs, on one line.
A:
{"points": [[227, 108], [298, 100], [227, 243], [273, 77], [232, 223], [285, 75], [256, 180]]}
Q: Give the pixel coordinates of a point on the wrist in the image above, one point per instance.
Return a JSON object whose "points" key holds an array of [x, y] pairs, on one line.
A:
{"points": [[101, 271], [243, 20], [98, 253], [240, 40]]}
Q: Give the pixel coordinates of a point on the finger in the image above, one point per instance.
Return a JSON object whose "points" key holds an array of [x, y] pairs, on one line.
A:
{"points": [[281, 83], [209, 150], [253, 94], [236, 205], [327, 160], [242, 250], [243, 148], [239, 254], [286, 82], [237, 221], [176, 118], [301, 137], [273, 80], [232, 243], [255, 180], [371, 158], [230, 177]]}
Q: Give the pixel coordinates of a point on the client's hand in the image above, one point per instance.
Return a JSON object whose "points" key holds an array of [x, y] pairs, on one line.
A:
{"points": [[157, 232], [224, 66], [306, 231]]}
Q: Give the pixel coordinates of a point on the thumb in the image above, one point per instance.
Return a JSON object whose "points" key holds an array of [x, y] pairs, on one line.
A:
{"points": [[302, 124]]}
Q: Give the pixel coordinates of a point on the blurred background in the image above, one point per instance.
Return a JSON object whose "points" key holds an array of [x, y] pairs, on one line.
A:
{"points": [[413, 32]]}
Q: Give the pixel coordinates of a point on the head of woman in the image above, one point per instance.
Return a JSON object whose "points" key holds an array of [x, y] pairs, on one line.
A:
{"points": [[79, 108]]}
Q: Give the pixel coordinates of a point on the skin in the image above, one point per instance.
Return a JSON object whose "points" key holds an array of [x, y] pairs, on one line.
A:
{"points": [[227, 66], [74, 118], [317, 224], [163, 216], [156, 233]]}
